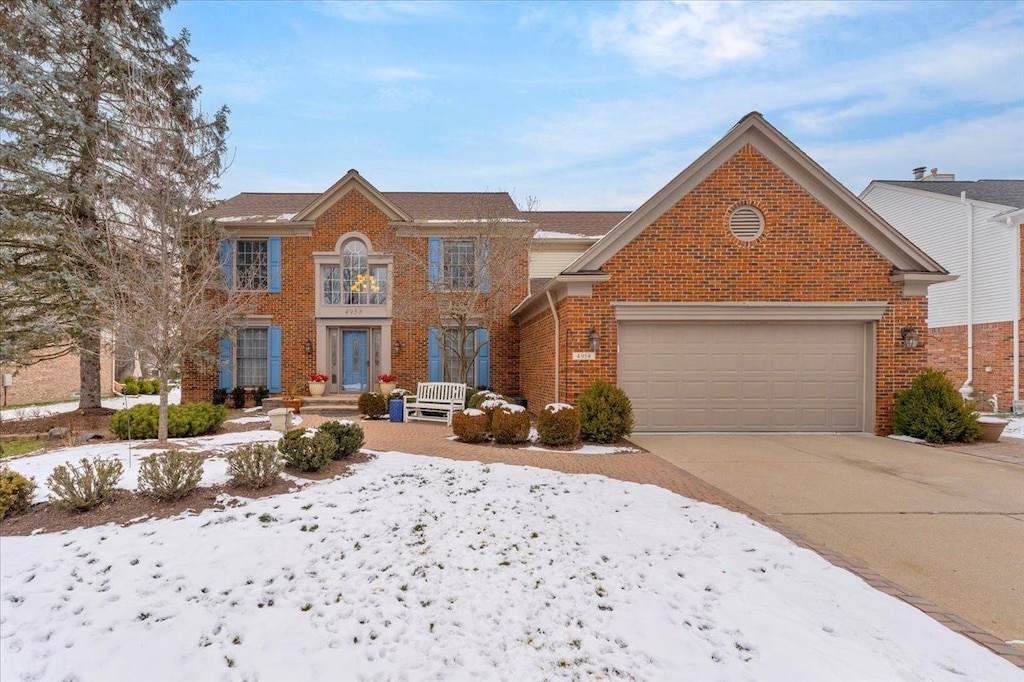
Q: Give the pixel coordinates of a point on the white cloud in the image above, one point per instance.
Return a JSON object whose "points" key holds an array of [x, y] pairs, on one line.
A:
{"points": [[690, 39]]}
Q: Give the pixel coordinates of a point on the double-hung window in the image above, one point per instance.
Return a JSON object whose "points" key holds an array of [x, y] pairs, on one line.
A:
{"points": [[459, 264], [251, 260], [252, 357]]}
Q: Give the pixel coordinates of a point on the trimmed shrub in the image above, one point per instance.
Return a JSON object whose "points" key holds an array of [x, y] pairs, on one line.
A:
{"points": [[131, 386], [510, 424], [373, 405], [479, 397], [84, 486], [238, 397], [256, 465], [307, 452], [15, 492], [170, 475], [219, 396], [150, 386], [489, 406], [470, 425], [183, 421], [606, 415], [933, 409], [348, 436], [558, 424]]}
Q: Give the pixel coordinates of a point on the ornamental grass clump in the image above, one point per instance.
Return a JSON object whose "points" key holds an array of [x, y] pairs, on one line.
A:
{"points": [[470, 425], [933, 409], [15, 492], [606, 415], [558, 424], [348, 436], [307, 451], [256, 465], [84, 486], [510, 424], [170, 475], [373, 405]]}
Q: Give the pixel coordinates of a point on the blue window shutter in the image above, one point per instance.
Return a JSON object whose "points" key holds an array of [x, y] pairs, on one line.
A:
{"points": [[274, 265], [485, 271], [483, 358], [434, 255], [433, 355], [274, 359], [225, 364], [226, 265]]}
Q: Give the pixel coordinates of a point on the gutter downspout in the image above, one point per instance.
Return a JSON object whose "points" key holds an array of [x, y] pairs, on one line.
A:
{"points": [[967, 389], [1016, 313], [554, 315]]}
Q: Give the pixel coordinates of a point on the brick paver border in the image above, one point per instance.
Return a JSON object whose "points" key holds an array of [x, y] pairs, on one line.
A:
{"points": [[643, 467]]}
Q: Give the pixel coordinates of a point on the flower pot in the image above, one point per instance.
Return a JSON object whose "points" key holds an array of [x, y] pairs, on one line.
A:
{"points": [[385, 389], [292, 404], [317, 388], [991, 428]]}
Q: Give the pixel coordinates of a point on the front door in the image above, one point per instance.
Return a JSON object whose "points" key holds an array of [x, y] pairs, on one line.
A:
{"points": [[355, 361]]}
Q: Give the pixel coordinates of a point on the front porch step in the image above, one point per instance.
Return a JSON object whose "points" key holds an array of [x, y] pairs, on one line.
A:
{"points": [[338, 405]]}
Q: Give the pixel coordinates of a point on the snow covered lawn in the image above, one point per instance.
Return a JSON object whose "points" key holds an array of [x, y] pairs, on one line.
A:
{"points": [[215, 469], [114, 403], [419, 568]]}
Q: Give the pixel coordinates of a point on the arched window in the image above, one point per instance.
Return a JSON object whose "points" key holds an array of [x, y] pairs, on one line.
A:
{"points": [[355, 273]]}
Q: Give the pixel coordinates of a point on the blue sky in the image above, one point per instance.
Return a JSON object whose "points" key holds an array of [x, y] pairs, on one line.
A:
{"points": [[598, 105]]}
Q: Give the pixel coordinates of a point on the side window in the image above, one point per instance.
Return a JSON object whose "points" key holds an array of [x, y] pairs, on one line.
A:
{"points": [[459, 264], [252, 357], [251, 261], [331, 277]]}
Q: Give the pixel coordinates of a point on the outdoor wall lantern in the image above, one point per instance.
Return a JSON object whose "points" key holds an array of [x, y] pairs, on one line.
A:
{"points": [[309, 348], [398, 347], [910, 337], [595, 340]]}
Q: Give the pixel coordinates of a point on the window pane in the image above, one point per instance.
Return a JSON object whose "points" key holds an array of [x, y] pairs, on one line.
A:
{"points": [[331, 276], [251, 357], [251, 264], [355, 275], [379, 296], [452, 362], [459, 264]]}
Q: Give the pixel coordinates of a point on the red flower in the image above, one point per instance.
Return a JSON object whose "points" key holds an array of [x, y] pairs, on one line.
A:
{"points": [[318, 378], [387, 378]]}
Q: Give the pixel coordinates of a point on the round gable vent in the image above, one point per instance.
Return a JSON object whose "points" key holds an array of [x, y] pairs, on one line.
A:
{"points": [[746, 223]]}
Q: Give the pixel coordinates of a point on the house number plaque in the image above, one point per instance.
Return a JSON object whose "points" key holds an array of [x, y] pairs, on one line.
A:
{"points": [[584, 356]]}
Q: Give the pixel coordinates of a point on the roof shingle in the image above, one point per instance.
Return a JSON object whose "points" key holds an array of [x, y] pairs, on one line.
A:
{"points": [[1003, 192]]}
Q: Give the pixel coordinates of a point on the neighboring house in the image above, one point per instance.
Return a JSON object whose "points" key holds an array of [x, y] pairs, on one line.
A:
{"points": [[752, 293], [976, 230], [53, 378]]}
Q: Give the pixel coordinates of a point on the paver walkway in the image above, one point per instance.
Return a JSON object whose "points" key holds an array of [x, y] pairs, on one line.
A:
{"points": [[432, 439]]}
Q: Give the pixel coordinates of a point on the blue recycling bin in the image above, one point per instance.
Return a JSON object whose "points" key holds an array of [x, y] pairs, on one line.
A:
{"points": [[395, 410]]}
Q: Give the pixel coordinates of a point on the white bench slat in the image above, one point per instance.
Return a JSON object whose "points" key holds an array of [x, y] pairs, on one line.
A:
{"points": [[435, 396]]}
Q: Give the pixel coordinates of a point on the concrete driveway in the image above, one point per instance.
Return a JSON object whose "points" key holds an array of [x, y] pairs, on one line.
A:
{"points": [[945, 525]]}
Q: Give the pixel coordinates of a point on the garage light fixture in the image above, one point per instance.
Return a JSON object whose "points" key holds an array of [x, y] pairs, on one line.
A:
{"points": [[398, 347], [911, 337], [309, 348], [595, 340]]}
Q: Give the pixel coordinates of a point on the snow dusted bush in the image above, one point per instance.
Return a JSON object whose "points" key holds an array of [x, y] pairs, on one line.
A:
{"points": [[170, 475], [606, 415], [15, 492], [510, 424], [478, 397], [85, 486], [470, 425], [256, 465], [307, 451], [558, 424], [348, 436], [489, 406], [373, 405]]}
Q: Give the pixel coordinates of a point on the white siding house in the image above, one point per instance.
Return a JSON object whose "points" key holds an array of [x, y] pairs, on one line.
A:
{"points": [[968, 228]]}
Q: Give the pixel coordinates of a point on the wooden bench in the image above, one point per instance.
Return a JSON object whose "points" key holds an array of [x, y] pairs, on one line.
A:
{"points": [[435, 401]]}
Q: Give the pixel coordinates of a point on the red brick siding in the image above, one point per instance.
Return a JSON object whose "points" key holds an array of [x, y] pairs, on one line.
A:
{"points": [[293, 309], [993, 347], [806, 254], [53, 380]]}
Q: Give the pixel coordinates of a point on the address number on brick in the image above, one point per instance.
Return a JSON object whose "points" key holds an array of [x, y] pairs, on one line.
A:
{"points": [[584, 356], [353, 312]]}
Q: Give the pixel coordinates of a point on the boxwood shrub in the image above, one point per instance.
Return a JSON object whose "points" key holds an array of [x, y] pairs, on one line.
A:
{"points": [[307, 452], [558, 424], [373, 405], [348, 436], [510, 424], [15, 492], [470, 425]]}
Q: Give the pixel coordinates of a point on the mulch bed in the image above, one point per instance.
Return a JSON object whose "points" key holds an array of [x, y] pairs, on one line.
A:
{"points": [[127, 506], [81, 421]]}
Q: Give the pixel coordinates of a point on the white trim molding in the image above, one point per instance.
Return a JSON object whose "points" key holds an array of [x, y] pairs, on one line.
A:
{"points": [[916, 283]]}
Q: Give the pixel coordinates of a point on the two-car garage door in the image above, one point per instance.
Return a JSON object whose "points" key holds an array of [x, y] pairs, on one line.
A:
{"points": [[746, 376]]}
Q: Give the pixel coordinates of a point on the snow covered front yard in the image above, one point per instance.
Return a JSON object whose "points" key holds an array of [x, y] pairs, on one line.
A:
{"points": [[417, 568]]}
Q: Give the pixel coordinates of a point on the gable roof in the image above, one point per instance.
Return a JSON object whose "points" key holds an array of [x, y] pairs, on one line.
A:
{"points": [[575, 224], [754, 130], [456, 206], [260, 207], [1008, 193]]}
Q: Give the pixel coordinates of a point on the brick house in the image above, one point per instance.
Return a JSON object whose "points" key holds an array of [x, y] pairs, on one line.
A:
{"points": [[976, 230], [751, 293]]}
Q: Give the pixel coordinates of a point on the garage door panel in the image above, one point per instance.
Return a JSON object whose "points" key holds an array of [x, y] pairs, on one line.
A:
{"points": [[744, 376]]}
